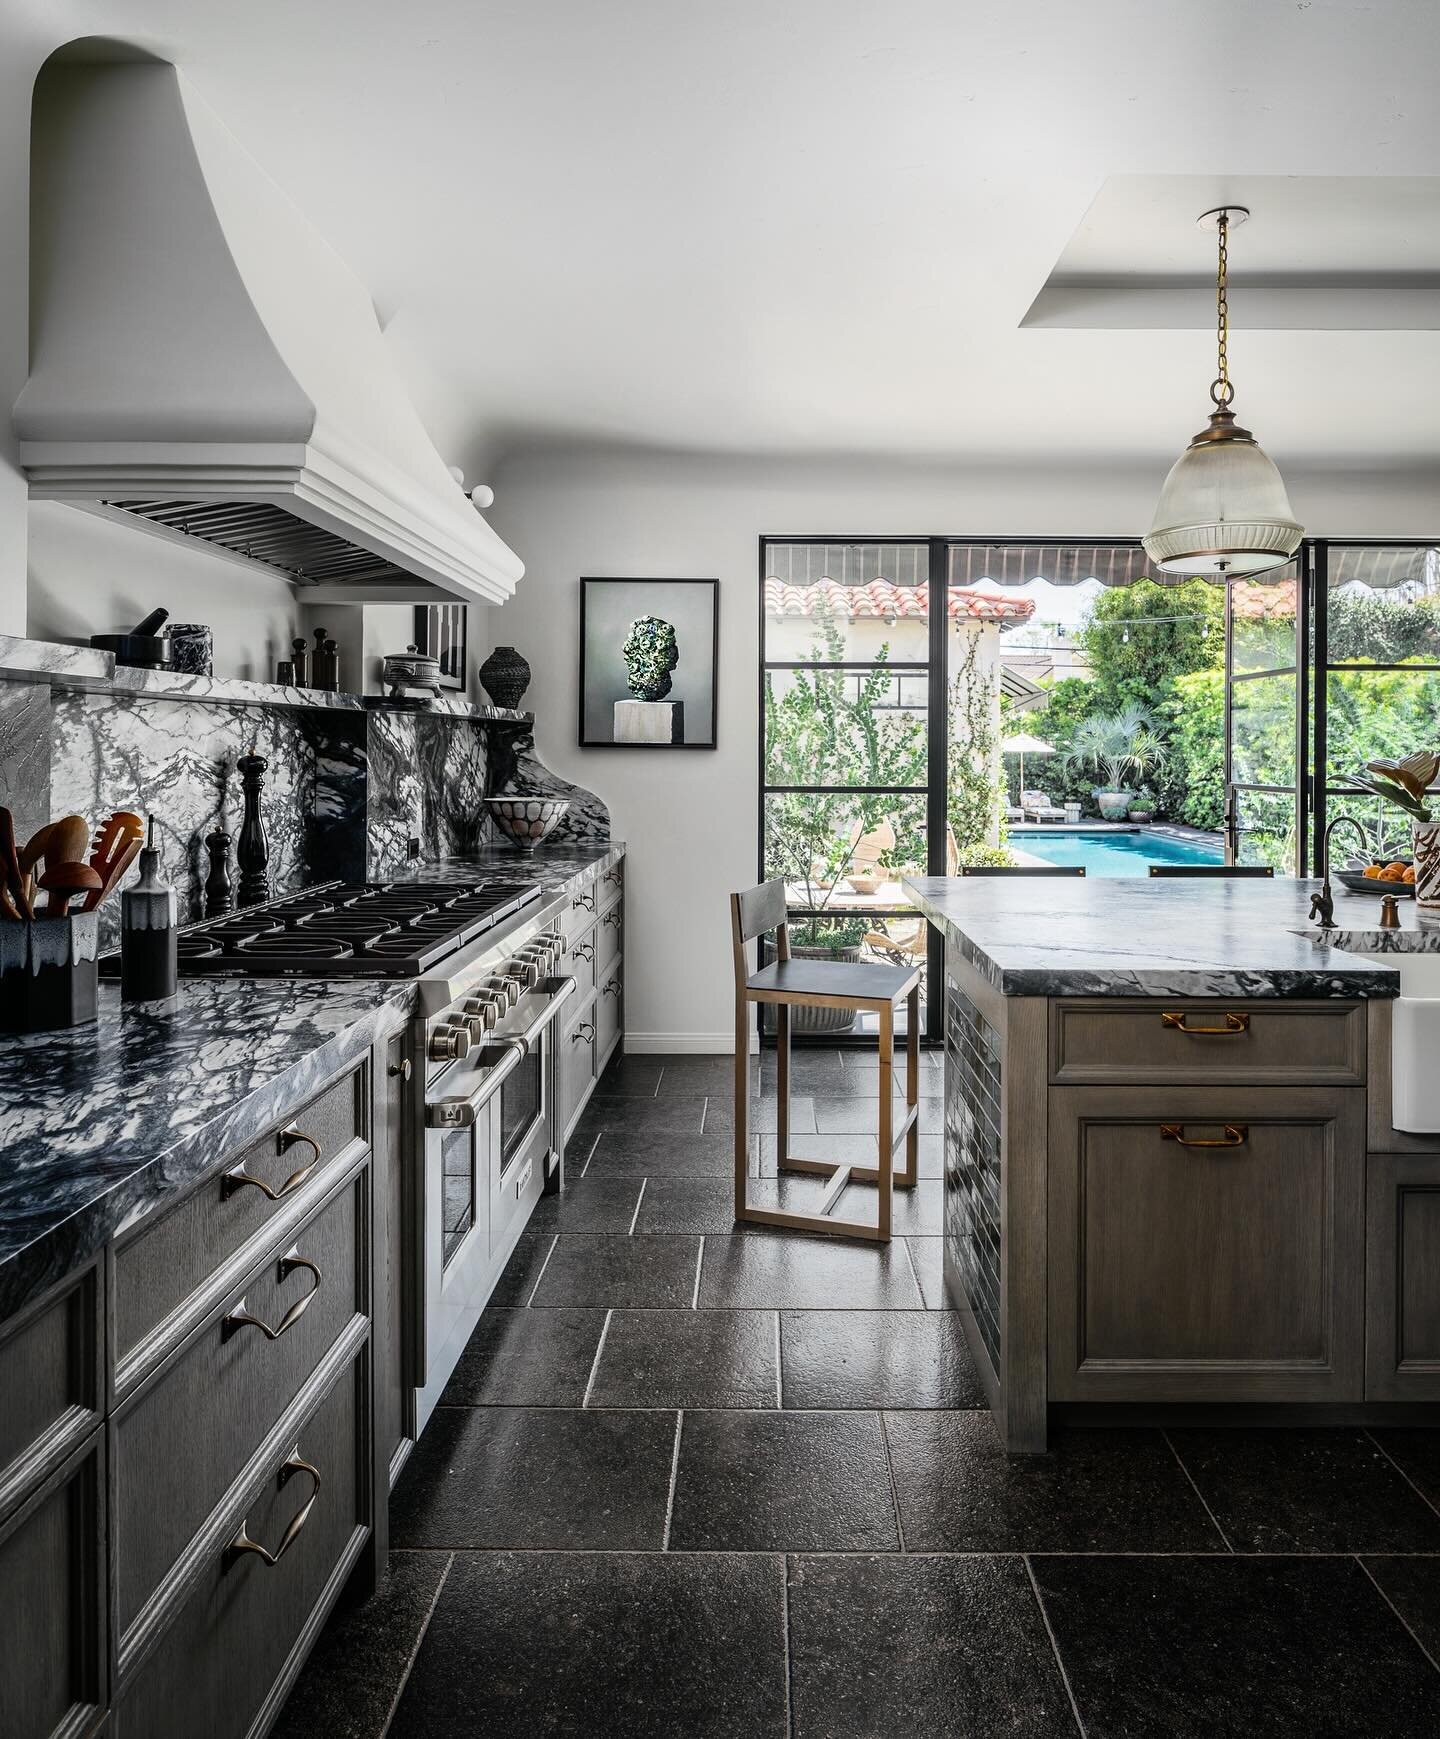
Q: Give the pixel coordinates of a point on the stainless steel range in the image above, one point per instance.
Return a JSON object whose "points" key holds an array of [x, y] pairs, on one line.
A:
{"points": [[481, 1143]]}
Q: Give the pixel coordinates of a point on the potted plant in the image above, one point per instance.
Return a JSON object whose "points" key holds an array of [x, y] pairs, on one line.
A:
{"points": [[1407, 783], [1122, 746], [1142, 807]]}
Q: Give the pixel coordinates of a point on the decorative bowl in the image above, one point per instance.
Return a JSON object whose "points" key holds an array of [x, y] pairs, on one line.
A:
{"points": [[526, 819], [1356, 882]]}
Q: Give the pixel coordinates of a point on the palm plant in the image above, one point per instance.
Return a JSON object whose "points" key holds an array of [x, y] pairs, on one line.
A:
{"points": [[1124, 745]]}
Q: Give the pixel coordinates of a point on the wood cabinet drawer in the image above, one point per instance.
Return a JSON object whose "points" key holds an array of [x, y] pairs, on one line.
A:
{"points": [[52, 1615], [1402, 1290], [1235, 1042], [580, 913], [51, 1382], [185, 1437], [610, 884], [164, 1263], [579, 964], [607, 938], [229, 1652], [1206, 1244], [575, 1064], [607, 1012]]}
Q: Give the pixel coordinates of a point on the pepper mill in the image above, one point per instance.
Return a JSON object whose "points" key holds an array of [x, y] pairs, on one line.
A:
{"points": [[219, 893], [253, 852], [325, 663], [301, 662], [148, 931]]}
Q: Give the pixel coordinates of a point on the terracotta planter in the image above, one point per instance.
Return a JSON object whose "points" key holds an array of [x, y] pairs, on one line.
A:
{"points": [[1427, 864]]}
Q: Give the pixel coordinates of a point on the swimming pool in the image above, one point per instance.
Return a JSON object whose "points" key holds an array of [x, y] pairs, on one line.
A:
{"points": [[1109, 851]]}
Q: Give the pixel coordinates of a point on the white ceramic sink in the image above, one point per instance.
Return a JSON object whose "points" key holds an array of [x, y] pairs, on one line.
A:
{"points": [[1416, 1028]]}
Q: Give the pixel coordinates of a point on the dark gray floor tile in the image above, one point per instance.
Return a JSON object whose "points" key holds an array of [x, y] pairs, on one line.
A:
{"points": [[1417, 1451], [859, 1064], [945, 1647], [524, 1268], [916, 1212], [1412, 1586], [526, 1358], [650, 1648], [864, 1083], [1193, 1648], [928, 1255], [792, 1271], [1306, 1490], [593, 1203], [811, 1071], [688, 1358], [720, 1115], [661, 1153], [684, 1077], [782, 1482], [350, 1682], [631, 1078], [876, 1358], [849, 1150], [536, 1477], [620, 1273], [707, 1204], [1092, 1491], [860, 1116], [671, 1116]]}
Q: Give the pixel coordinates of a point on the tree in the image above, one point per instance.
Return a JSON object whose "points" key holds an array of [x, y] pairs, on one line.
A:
{"points": [[1120, 746], [1139, 638]]}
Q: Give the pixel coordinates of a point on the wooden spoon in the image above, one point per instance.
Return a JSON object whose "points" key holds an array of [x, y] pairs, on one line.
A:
{"points": [[30, 855], [12, 889], [63, 881]]}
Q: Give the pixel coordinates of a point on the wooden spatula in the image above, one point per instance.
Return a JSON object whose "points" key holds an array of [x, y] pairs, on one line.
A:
{"points": [[117, 845], [63, 881], [30, 855], [12, 888]]}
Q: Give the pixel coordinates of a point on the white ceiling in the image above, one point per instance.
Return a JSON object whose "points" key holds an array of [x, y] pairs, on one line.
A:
{"points": [[818, 225]]}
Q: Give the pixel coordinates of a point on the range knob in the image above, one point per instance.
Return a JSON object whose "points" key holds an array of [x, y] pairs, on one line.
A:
{"points": [[526, 973], [449, 1043], [506, 988], [484, 1009]]}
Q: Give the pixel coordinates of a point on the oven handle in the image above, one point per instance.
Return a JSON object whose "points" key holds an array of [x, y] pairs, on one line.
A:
{"points": [[561, 990], [461, 1111]]}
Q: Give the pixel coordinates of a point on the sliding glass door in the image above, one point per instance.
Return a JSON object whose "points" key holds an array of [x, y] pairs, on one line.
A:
{"points": [[1267, 689]]}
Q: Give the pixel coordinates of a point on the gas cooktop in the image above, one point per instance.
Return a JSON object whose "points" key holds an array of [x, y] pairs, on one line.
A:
{"points": [[375, 930]]}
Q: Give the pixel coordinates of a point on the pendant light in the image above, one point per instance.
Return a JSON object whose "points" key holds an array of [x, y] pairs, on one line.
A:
{"points": [[1223, 510]]}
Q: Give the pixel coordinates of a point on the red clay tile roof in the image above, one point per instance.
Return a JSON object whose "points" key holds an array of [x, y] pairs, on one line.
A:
{"points": [[883, 601]]}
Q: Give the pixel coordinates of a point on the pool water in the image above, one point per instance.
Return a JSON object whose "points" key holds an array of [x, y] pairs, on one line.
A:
{"points": [[1109, 851]]}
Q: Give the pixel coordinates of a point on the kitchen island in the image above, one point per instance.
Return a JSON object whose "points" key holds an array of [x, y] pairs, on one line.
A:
{"points": [[1173, 1186]]}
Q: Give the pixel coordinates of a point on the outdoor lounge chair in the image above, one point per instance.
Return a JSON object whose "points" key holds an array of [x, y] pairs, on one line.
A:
{"points": [[1038, 807]]}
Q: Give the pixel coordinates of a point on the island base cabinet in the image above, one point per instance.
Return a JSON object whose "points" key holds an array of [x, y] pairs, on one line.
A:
{"points": [[220, 1670], [1403, 1278], [1206, 1245]]}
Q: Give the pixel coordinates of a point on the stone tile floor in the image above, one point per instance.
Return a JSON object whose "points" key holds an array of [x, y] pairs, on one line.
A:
{"points": [[689, 1481]]}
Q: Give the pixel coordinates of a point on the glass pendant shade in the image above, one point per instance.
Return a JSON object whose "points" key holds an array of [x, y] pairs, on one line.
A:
{"points": [[1223, 509]]}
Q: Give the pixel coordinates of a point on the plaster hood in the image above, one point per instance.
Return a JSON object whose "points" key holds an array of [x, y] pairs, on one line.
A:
{"points": [[203, 364]]}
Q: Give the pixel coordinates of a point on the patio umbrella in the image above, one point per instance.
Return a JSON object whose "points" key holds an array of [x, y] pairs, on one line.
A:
{"points": [[1024, 745]]}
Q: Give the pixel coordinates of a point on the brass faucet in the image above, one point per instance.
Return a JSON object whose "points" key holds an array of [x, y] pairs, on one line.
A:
{"points": [[1322, 905]]}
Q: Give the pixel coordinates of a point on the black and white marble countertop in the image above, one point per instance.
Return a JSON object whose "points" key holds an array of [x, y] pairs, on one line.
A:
{"points": [[552, 866], [102, 1124], [1123, 936]]}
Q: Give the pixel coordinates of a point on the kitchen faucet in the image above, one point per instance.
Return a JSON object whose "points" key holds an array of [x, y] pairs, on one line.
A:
{"points": [[1322, 905]]}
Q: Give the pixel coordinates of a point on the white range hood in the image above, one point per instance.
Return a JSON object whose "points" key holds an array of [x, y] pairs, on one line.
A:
{"points": [[202, 362]]}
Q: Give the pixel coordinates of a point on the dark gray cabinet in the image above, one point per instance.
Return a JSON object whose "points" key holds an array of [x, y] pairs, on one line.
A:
{"points": [[594, 1021], [1403, 1277]]}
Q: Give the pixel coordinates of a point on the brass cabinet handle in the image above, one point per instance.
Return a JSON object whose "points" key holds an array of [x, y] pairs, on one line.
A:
{"points": [[586, 950], [1236, 1135], [585, 900], [583, 1033], [242, 1317], [612, 917], [612, 988], [1234, 1023], [613, 876], [237, 1177], [294, 1463]]}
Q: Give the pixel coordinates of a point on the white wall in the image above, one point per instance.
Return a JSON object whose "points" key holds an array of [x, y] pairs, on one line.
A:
{"points": [[690, 817]]}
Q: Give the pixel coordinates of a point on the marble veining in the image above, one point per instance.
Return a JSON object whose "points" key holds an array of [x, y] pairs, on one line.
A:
{"points": [[100, 1124], [1058, 936], [519, 769], [551, 866]]}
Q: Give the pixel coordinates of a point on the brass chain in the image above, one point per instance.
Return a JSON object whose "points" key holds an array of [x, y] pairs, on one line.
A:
{"points": [[1221, 391]]}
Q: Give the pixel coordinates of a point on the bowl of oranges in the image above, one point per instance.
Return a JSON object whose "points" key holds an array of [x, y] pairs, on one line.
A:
{"points": [[1397, 876]]}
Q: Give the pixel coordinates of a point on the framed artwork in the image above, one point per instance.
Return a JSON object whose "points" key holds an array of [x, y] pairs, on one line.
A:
{"points": [[440, 631], [649, 650]]}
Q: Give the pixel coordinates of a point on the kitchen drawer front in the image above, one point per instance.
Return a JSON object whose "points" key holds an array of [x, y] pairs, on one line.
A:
{"points": [[51, 1382], [579, 963], [607, 938], [52, 1614], [1223, 1266], [584, 904], [513, 1195], [1236, 1042], [575, 1063], [158, 1269], [1403, 1278], [607, 1011], [182, 1440], [229, 1649]]}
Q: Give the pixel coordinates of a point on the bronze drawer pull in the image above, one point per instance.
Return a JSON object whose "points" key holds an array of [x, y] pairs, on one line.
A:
{"points": [[613, 876], [1234, 1023], [295, 1463], [237, 1177], [583, 1033], [585, 950], [1236, 1135], [585, 900], [612, 988], [242, 1317], [612, 917]]}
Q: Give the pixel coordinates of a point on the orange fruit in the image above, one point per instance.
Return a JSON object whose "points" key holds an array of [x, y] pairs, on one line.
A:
{"points": [[1372, 871], [1409, 875]]}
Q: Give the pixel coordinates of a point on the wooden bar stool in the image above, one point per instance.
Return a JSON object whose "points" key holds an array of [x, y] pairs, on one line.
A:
{"points": [[790, 984]]}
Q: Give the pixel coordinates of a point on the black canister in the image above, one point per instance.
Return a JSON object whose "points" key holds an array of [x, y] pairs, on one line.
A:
{"points": [[148, 931]]}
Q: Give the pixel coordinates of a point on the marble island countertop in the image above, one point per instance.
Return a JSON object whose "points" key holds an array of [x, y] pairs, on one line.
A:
{"points": [[1123, 936]]}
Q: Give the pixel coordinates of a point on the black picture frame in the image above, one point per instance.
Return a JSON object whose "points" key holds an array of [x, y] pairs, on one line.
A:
{"points": [[649, 601], [441, 631]]}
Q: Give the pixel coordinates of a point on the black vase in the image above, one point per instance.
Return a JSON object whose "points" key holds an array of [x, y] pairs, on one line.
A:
{"points": [[505, 676]]}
